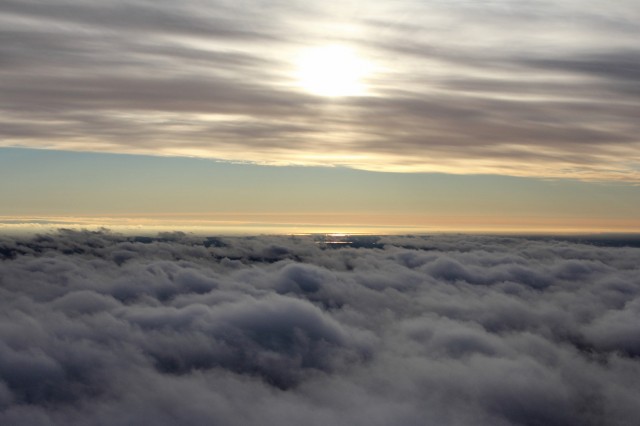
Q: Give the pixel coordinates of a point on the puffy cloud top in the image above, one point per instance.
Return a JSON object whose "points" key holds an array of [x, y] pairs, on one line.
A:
{"points": [[104, 329]]}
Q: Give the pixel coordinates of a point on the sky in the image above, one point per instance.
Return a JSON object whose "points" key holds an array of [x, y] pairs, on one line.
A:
{"points": [[405, 115]]}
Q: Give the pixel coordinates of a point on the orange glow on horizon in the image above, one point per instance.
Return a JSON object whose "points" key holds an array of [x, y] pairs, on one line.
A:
{"points": [[338, 224]]}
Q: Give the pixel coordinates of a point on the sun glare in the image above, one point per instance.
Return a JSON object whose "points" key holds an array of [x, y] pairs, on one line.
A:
{"points": [[333, 70]]}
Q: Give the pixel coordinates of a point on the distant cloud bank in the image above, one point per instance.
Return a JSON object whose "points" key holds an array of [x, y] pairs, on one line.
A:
{"points": [[536, 88], [102, 329]]}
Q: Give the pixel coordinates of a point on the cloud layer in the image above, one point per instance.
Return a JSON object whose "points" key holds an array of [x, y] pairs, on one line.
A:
{"points": [[531, 88], [102, 329]]}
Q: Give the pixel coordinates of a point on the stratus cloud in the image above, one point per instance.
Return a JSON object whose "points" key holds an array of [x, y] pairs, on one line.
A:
{"points": [[103, 329], [519, 88]]}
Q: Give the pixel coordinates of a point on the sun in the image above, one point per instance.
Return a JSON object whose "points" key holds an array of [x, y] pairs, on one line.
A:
{"points": [[333, 70]]}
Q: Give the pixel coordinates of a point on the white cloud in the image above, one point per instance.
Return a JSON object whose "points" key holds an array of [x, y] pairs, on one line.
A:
{"points": [[450, 330]]}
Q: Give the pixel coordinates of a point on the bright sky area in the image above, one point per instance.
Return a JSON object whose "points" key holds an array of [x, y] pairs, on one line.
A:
{"points": [[398, 116]]}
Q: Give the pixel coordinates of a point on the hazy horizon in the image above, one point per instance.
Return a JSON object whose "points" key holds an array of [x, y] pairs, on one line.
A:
{"points": [[135, 191]]}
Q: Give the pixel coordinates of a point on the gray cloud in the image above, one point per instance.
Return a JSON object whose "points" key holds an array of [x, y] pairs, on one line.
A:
{"points": [[503, 87], [145, 16], [104, 329]]}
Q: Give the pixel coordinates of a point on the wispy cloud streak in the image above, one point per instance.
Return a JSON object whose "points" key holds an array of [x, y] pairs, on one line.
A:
{"points": [[532, 89]]}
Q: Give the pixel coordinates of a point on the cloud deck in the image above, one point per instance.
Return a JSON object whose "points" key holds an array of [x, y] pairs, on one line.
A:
{"points": [[102, 329], [535, 88]]}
